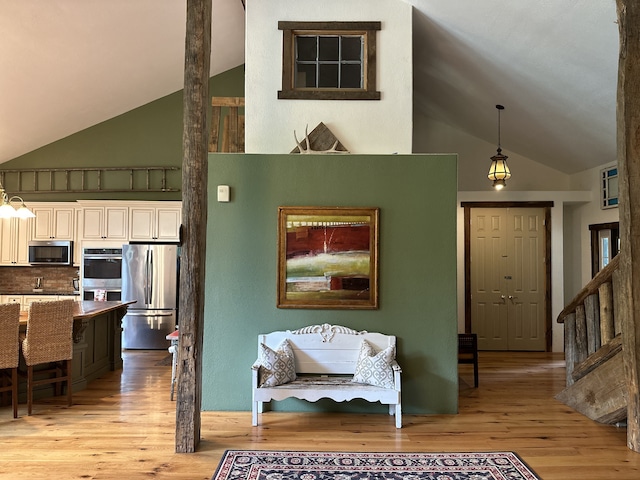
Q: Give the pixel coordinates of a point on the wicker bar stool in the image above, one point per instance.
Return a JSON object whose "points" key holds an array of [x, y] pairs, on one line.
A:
{"points": [[10, 351], [49, 340]]}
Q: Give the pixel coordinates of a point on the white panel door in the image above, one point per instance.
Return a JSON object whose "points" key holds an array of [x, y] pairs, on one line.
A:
{"points": [[508, 278]]}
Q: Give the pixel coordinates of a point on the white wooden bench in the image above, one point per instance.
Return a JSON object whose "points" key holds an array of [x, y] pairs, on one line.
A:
{"points": [[325, 362]]}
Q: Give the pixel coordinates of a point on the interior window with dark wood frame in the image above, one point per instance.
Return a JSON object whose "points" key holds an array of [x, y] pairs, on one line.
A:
{"points": [[605, 244], [329, 60]]}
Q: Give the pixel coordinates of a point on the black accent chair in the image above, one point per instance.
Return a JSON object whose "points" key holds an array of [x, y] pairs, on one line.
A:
{"points": [[468, 352]]}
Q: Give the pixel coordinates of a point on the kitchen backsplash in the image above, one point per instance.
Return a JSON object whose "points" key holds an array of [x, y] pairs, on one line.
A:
{"points": [[21, 280]]}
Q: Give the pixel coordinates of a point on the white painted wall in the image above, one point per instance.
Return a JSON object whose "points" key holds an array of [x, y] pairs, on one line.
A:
{"points": [[587, 214], [383, 126], [474, 158]]}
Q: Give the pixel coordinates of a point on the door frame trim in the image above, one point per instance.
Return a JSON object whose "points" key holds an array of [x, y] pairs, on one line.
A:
{"points": [[548, 322]]}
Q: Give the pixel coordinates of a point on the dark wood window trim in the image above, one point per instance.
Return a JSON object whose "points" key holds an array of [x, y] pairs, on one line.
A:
{"points": [[467, 256], [595, 243], [291, 29]]}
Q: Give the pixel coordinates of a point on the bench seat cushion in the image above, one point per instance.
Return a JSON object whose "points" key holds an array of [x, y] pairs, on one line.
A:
{"points": [[338, 388]]}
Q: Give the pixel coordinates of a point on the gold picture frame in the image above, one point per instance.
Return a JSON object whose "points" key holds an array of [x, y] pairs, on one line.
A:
{"points": [[328, 257]]}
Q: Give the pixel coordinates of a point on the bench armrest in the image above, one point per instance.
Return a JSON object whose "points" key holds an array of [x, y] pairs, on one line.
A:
{"points": [[395, 366]]}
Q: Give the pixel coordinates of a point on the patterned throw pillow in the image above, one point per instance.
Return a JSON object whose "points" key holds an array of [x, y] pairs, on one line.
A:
{"points": [[277, 367], [374, 368]]}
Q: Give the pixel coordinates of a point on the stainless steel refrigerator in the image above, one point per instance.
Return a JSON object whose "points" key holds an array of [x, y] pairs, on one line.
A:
{"points": [[150, 278]]}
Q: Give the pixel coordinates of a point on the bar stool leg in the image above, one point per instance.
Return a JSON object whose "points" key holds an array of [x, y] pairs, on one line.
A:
{"points": [[174, 360], [14, 392], [69, 388], [29, 389]]}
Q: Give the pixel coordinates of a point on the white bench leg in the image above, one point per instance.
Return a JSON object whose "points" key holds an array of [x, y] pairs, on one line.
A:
{"points": [[398, 416], [254, 413]]}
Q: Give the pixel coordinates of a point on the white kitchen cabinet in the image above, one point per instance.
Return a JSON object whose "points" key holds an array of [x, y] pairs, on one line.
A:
{"points": [[77, 237], [55, 222], [105, 223], [14, 241], [12, 299], [76, 298], [155, 223], [27, 300]]}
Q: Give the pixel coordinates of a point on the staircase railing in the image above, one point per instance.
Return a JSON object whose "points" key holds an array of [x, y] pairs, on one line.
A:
{"points": [[590, 323]]}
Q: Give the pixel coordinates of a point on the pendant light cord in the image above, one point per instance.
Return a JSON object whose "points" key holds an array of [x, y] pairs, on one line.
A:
{"points": [[499, 107]]}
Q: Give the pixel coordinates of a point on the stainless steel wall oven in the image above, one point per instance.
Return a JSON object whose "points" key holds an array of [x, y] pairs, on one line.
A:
{"points": [[102, 271]]}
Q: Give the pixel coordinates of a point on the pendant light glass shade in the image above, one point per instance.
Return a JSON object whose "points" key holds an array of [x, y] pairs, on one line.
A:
{"points": [[9, 211], [23, 212], [499, 170]]}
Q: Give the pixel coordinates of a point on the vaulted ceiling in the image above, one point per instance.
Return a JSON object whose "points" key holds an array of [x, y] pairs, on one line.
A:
{"points": [[67, 65]]}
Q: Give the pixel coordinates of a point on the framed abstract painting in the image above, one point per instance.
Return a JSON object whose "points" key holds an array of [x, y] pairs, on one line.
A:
{"points": [[328, 257]]}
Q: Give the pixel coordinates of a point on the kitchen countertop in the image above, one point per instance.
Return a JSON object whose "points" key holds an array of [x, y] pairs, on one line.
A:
{"points": [[87, 309], [40, 292]]}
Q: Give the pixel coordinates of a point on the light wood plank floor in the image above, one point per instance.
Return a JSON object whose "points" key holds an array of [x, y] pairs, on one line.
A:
{"points": [[122, 427]]}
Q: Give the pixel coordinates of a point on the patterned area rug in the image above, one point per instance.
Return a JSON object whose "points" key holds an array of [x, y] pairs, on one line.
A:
{"points": [[274, 465]]}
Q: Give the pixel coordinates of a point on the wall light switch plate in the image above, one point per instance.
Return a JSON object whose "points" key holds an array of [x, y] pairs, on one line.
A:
{"points": [[223, 193]]}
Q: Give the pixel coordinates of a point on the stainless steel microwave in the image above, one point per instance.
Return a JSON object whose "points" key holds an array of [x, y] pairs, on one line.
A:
{"points": [[54, 252]]}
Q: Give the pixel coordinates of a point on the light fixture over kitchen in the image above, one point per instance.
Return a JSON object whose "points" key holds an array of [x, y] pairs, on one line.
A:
{"points": [[499, 171], [7, 210]]}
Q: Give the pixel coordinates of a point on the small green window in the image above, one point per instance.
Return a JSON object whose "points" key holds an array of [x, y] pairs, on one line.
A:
{"points": [[609, 178]]}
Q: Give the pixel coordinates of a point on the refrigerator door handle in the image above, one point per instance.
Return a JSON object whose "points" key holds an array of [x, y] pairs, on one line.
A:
{"points": [[150, 276], [146, 278], [146, 314]]}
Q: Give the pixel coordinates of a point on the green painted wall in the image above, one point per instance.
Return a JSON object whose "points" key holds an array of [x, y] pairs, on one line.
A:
{"points": [[416, 195], [150, 135]]}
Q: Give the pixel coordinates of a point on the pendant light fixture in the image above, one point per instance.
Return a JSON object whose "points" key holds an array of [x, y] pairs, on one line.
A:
{"points": [[9, 211], [499, 171]]}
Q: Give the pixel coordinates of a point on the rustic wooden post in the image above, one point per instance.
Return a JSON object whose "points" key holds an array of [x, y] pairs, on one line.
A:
{"points": [[607, 329], [616, 281], [570, 346], [628, 126], [194, 224], [592, 313], [581, 352]]}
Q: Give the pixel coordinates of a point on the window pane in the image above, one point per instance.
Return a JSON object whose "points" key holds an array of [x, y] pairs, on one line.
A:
{"points": [[609, 187], [605, 247], [613, 187], [605, 252], [351, 76], [329, 49], [352, 48], [305, 76], [306, 48], [328, 76]]}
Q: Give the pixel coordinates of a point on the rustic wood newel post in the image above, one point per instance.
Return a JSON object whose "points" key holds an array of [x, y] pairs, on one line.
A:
{"points": [[194, 223], [628, 127]]}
